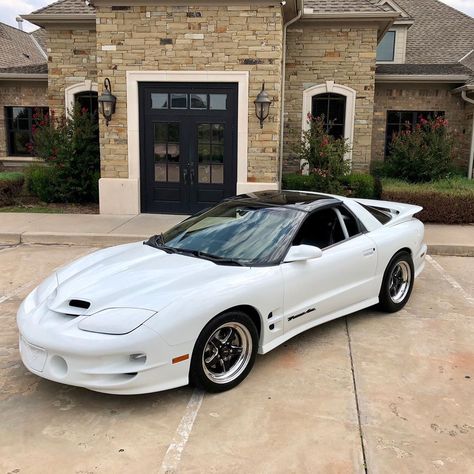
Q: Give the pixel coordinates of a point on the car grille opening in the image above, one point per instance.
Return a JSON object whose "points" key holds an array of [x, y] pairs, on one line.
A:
{"points": [[79, 304]]}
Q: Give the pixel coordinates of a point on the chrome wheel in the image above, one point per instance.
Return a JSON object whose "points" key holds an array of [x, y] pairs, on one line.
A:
{"points": [[227, 352], [400, 281]]}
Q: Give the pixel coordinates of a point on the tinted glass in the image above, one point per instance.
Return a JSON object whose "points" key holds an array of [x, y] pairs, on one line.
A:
{"points": [[386, 48], [332, 109], [252, 235]]}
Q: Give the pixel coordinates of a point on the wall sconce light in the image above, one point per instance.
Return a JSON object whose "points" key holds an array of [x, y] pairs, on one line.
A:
{"points": [[107, 102], [262, 105]]}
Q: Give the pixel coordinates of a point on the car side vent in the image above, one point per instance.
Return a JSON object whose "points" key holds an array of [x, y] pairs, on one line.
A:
{"points": [[79, 304]]}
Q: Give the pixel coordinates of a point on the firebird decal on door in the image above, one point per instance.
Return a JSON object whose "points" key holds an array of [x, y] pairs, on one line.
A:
{"points": [[301, 314]]}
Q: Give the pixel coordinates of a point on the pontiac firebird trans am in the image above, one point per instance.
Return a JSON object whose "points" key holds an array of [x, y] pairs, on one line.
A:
{"points": [[197, 303]]}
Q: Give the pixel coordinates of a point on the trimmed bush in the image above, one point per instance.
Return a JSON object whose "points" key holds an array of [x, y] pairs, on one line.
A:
{"points": [[449, 201], [42, 181], [354, 185], [11, 185]]}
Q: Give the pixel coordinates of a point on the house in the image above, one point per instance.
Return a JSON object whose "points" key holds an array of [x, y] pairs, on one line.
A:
{"points": [[23, 88], [186, 74]]}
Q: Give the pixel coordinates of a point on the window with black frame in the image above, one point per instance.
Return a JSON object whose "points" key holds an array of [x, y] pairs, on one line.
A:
{"points": [[19, 124], [399, 120], [332, 109]]}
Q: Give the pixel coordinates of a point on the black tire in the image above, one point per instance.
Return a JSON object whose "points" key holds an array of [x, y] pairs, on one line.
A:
{"points": [[395, 291], [210, 352]]}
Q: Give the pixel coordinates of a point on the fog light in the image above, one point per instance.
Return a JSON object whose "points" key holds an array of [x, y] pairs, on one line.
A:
{"points": [[138, 358]]}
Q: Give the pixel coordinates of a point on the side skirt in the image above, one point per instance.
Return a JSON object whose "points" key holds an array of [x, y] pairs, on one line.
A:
{"points": [[338, 314]]}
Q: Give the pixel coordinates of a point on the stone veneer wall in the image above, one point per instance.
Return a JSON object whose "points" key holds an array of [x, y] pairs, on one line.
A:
{"points": [[345, 55], [419, 97], [468, 118], [20, 94], [178, 38], [71, 59]]}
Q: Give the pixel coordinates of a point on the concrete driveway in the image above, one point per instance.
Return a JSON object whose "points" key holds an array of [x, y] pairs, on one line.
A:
{"points": [[369, 393]]}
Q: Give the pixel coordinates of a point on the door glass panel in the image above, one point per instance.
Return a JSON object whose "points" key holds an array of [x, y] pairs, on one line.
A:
{"points": [[159, 101], [167, 152], [198, 101], [179, 101], [173, 173], [204, 174], [218, 174], [218, 101], [211, 152], [160, 171]]}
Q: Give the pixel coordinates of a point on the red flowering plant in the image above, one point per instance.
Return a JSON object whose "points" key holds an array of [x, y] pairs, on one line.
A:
{"points": [[325, 154], [69, 145], [425, 152]]}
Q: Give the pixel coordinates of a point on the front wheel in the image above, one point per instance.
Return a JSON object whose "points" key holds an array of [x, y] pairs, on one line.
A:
{"points": [[225, 352], [397, 283]]}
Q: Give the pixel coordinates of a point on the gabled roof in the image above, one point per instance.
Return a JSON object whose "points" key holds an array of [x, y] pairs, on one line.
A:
{"points": [[439, 35], [66, 7], [19, 51]]}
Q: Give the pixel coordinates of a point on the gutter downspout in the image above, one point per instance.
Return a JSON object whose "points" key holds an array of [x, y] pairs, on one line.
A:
{"points": [[471, 153], [282, 93]]}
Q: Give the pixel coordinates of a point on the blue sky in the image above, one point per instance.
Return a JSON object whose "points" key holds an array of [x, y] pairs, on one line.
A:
{"points": [[9, 9]]}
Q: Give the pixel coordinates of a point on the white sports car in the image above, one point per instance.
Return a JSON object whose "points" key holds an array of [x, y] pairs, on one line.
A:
{"points": [[197, 303]]}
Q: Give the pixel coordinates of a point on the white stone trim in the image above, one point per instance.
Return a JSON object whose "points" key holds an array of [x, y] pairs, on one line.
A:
{"points": [[133, 114], [331, 86], [71, 91]]}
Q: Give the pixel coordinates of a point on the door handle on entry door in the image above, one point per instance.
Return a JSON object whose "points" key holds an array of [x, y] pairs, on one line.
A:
{"points": [[368, 252], [186, 173]]}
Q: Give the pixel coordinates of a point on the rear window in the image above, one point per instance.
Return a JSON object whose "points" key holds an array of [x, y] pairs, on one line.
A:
{"points": [[381, 215]]}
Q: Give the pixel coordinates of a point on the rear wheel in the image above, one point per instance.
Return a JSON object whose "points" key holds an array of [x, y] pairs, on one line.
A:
{"points": [[397, 283], [224, 352]]}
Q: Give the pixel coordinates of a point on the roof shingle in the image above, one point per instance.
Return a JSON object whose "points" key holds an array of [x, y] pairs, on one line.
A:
{"points": [[342, 6], [17, 49], [66, 7]]}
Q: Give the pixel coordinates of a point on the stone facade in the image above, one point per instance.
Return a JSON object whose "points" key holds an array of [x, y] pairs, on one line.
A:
{"points": [[20, 94], [345, 55], [417, 97], [192, 38], [71, 59]]}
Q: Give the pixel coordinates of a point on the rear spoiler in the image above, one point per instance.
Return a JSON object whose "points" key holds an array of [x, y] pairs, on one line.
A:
{"points": [[397, 211]]}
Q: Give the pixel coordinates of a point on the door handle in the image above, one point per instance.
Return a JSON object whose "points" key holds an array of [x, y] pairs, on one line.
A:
{"points": [[191, 174], [368, 252], [185, 174]]}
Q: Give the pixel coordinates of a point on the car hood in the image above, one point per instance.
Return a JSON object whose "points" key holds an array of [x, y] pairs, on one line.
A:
{"points": [[133, 276]]}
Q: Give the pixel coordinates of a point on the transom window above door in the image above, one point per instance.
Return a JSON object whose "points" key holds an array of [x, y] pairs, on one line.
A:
{"points": [[185, 101], [331, 108]]}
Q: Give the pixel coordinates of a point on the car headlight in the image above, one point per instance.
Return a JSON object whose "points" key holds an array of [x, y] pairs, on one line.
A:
{"points": [[115, 320], [41, 293]]}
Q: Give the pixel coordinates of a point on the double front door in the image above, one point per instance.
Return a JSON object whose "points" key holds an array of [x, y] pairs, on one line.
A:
{"points": [[188, 136]]}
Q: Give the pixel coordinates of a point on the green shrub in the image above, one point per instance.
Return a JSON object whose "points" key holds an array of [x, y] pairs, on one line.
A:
{"points": [[324, 153], [42, 181], [424, 153], [448, 201], [70, 148], [361, 185], [354, 185], [11, 184]]}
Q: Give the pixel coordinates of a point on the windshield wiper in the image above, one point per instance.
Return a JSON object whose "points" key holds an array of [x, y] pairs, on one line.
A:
{"points": [[157, 241], [217, 259]]}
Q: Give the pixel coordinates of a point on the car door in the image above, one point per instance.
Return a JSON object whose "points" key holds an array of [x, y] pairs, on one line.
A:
{"points": [[342, 277]]}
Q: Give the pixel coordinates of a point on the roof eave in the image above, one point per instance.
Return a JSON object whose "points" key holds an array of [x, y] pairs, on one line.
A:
{"points": [[44, 19], [309, 14], [9, 76], [438, 78]]}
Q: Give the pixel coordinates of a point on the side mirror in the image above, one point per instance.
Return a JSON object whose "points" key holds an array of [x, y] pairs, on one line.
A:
{"points": [[299, 253]]}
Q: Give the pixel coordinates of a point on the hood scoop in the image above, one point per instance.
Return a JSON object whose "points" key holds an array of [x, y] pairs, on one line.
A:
{"points": [[80, 304]]}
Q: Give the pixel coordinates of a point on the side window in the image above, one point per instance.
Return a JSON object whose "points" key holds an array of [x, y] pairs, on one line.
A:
{"points": [[350, 222], [321, 229]]}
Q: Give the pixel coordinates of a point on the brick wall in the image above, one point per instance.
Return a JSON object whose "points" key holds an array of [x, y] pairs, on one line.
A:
{"points": [[418, 97], [210, 38], [345, 55], [71, 59], [21, 94]]}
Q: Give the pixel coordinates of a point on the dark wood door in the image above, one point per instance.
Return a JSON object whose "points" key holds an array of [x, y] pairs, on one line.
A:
{"points": [[188, 136]]}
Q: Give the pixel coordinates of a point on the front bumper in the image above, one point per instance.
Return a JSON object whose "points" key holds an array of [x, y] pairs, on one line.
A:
{"points": [[52, 347]]}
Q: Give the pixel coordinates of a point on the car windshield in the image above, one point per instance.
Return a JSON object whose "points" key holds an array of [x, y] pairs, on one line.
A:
{"points": [[236, 232]]}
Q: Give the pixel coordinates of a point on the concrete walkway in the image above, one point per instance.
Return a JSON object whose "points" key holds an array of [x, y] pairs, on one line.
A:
{"points": [[104, 230]]}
